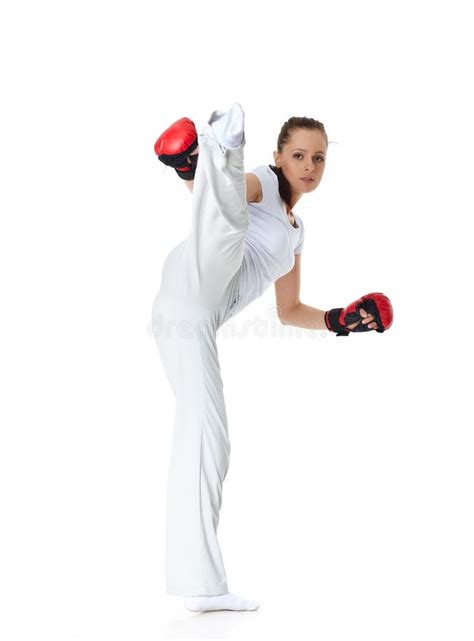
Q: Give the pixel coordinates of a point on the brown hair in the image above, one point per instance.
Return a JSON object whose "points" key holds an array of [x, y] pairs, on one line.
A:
{"points": [[296, 122]]}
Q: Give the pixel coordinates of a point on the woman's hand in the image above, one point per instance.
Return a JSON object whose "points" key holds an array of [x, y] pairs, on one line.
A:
{"points": [[366, 319], [345, 320]]}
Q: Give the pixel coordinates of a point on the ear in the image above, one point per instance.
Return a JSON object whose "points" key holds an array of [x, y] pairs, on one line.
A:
{"points": [[276, 156]]}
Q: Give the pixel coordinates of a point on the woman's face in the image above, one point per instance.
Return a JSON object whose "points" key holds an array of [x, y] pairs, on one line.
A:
{"points": [[303, 156]]}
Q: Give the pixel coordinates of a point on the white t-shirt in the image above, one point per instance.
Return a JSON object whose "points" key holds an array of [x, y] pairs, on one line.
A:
{"points": [[271, 241]]}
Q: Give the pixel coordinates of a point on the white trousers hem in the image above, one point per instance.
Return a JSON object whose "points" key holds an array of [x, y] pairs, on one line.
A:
{"points": [[209, 589]]}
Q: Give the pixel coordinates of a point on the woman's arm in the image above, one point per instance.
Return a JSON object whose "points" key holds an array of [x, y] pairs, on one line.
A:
{"points": [[291, 311], [305, 316]]}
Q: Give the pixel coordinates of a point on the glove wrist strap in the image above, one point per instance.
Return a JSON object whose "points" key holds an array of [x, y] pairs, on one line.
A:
{"points": [[180, 161], [331, 318]]}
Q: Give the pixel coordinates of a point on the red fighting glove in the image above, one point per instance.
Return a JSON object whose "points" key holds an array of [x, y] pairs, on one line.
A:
{"points": [[175, 145], [375, 303]]}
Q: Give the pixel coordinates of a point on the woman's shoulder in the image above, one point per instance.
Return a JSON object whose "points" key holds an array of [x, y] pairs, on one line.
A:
{"points": [[268, 183], [263, 171]]}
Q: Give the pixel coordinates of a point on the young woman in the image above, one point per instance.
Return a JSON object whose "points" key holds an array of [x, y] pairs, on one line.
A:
{"points": [[244, 236]]}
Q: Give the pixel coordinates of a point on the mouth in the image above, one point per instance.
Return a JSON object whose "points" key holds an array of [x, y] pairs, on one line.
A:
{"points": [[308, 180]]}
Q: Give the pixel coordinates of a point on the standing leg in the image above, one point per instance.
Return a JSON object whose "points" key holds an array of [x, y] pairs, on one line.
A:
{"points": [[199, 462], [200, 455]]}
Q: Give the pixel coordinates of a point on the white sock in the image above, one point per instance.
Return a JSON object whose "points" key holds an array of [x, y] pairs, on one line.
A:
{"points": [[226, 601], [228, 126]]}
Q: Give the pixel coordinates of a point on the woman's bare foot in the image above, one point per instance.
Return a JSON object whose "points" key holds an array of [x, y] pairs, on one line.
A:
{"points": [[228, 126]]}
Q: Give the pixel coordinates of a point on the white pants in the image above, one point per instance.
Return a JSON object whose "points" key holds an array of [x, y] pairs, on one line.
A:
{"points": [[199, 291]]}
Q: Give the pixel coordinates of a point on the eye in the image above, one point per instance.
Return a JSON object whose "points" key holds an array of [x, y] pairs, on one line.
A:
{"points": [[321, 158]]}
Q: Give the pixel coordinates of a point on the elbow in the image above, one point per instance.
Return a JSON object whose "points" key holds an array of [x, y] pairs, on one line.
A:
{"points": [[281, 317], [285, 316]]}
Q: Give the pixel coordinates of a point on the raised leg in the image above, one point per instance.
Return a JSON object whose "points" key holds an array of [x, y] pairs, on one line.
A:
{"points": [[219, 216]]}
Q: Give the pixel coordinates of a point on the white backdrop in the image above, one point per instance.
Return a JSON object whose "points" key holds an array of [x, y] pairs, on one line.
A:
{"points": [[348, 506]]}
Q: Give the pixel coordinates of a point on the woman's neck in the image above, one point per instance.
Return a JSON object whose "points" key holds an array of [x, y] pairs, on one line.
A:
{"points": [[294, 199]]}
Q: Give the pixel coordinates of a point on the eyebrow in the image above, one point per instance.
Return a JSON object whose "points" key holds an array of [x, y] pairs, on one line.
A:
{"points": [[299, 149]]}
